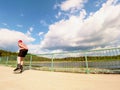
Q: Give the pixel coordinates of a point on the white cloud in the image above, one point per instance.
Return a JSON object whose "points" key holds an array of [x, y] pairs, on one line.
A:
{"points": [[101, 29], [72, 5], [9, 38], [34, 48], [58, 15], [30, 31], [40, 33]]}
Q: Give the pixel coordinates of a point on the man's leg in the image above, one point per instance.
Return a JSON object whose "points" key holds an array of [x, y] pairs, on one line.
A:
{"points": [[19, 59], [21, 64]]}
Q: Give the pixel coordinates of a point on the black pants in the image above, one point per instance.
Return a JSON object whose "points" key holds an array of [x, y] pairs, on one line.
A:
{"points": [[22, 53]]}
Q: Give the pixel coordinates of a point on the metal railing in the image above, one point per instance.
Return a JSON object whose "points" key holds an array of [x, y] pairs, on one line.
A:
{"points": [[92, 61]]}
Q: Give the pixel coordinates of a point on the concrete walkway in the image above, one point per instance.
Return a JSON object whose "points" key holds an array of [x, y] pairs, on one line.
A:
{"points": [[42, 80]]}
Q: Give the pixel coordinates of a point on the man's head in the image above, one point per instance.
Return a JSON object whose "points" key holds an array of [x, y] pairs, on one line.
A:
{"points": [[20, 41]]}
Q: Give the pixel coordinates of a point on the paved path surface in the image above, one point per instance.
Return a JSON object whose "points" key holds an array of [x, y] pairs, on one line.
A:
{"points": [[42, 80]]}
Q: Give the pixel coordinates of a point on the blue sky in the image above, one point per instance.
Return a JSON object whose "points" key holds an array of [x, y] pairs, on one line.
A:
{"points": [[48, 26]]}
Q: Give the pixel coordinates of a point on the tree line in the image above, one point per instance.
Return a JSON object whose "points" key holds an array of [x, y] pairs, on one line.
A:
{"points": [[6, 53]]}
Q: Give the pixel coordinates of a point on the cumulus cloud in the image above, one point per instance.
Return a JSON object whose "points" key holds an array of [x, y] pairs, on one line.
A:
{"points": [[9, 38], [100, 29], [69, 7], [78, 32], [72, 5]]}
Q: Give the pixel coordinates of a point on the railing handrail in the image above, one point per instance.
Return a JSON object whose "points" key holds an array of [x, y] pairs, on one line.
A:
{"points": [[82, 51]]}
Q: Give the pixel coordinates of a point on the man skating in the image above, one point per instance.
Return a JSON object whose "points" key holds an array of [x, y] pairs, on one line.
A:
{"points": [[23, 49]]}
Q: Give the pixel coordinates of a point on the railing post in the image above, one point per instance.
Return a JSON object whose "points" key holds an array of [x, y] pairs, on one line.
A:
{"points": [[86, 63], [0, 59], [7, 60], [30, 62], [52, 63]]}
